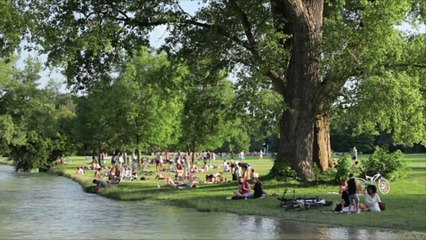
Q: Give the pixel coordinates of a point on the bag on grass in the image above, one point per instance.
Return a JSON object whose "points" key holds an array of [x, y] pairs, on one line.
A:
{"points": [[382, 206], [338, 207]]}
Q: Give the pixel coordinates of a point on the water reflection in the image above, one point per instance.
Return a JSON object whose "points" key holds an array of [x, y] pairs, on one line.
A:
{"points": [[41, 206]]}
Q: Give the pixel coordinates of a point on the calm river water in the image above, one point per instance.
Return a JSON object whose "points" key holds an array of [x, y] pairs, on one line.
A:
{"points": [[43, 206]]}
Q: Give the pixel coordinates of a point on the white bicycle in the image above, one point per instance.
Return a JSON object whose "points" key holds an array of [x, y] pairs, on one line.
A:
{"points": [[382, 183]]}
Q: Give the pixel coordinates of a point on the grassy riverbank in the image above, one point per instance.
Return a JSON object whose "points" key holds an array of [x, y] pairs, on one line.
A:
{"points": [[6, 161], [406, 203]]}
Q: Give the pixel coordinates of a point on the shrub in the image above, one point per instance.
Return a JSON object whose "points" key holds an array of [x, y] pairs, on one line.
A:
{"points": [[391, 165], [345, 166], [286, 173], [324, 177]]}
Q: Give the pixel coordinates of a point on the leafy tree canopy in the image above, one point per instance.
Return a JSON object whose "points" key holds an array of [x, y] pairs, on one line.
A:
{"points": [[30, 121], [12, 27], [312, 53]]}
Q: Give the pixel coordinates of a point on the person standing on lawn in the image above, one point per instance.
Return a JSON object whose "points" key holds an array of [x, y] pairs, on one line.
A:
{"points": [[353, 195]]}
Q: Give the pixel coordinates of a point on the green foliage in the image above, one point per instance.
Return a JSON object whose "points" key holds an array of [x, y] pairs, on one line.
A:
{"points": [[205, 119], [34, 153], [264, 108], [10, 135], [362, 53], [32, 129], [381, 70], [391, 165], [285, 171], [12, 27], [92, 114], [326, 177], [236, 138], [399, 108], [147, 102], [140, 109], [344, 167], [343, 137]]}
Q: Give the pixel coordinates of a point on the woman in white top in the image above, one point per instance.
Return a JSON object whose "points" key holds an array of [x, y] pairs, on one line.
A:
{"points": [[225, 166], [372, 199]]}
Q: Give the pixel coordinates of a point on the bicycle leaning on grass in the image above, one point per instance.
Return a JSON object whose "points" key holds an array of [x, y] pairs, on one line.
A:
{"points": [[382, 183]]}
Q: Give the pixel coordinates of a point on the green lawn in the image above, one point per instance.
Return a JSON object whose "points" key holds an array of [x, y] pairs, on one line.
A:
{"points": [[406, 203]]}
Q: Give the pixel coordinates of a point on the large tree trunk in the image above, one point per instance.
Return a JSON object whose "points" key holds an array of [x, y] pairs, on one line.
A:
{"points": [[322, 144], [304, 23]]}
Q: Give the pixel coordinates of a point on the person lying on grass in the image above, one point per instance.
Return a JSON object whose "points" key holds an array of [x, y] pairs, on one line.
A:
{"points": [[172, 184], [161, 176], [215, 178]]}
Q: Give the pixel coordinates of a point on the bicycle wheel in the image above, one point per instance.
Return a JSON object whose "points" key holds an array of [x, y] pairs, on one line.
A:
{"points": [[384, 186], [361, 184]]}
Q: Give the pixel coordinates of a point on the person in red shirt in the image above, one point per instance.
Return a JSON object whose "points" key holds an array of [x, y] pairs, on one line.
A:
{"points": [[244, 189]]}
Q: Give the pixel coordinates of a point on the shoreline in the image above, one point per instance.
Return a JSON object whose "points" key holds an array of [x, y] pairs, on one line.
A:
{"points": [[5, 162], [212, 199], [87, 186]]}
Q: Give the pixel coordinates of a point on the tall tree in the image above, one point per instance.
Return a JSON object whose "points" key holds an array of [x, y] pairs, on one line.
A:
{"points": [[93, 118], [236, 138], [147, 102], [307, 49], [205, 122], [30, 121], [382, 90]]}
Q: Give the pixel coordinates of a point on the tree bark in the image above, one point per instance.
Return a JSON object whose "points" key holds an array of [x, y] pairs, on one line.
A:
{"points": [[303, 23], [192, 157], [138, 150], [322, 145], [99, 154]]}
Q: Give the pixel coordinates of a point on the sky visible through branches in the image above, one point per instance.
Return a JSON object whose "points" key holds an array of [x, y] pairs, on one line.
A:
{"points": [[157, 38]]}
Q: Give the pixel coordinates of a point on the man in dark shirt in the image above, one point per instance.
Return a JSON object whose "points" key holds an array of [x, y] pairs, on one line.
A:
{"points": [[258, 189], [100, 184], [352, 192]]}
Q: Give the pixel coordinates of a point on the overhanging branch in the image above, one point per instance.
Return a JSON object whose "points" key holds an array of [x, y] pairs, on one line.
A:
{"points": [[219, 30], [277, 81], [403, 65], [250, 45]]}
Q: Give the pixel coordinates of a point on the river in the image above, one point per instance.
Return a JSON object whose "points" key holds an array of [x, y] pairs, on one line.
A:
{"points": [[43, 206]]}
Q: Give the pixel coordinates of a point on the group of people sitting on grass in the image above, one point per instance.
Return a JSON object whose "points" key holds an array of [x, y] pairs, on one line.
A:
{"points": [[350, 190], [184, 177], [245, 192], [93, 165], [215, 178], [247, 176], [247, 173], [115, 174]]}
